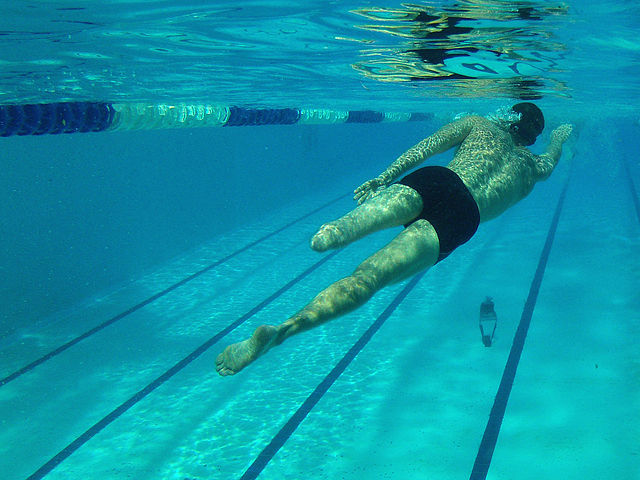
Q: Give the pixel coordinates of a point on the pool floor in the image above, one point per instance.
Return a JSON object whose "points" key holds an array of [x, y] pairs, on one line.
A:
{"points": [[414, 403]]}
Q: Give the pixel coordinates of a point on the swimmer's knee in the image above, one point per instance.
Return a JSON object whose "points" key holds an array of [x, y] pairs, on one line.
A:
{"points": [[366, 280]]}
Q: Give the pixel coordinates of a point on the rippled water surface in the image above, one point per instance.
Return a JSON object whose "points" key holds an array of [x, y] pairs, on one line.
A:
{"points": [[336, 54]]}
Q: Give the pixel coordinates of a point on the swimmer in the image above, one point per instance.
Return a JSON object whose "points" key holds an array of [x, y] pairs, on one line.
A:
{"points": [[440, 208]]}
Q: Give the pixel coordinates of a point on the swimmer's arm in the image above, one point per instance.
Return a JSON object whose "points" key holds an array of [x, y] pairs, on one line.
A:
{"points": [[547, 161], [445, 138]]}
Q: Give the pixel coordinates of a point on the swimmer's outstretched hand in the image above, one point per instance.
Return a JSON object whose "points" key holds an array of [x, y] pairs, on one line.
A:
{"points": [[368, 189], [562, 133]]}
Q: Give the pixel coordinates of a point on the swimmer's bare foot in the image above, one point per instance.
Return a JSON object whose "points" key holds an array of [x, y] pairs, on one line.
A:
{"points": [[328, 236], [237, 356]]}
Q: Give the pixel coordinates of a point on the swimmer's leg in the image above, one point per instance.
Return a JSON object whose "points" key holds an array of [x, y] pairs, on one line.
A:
{"points": [[415, 249], [394, 206]]}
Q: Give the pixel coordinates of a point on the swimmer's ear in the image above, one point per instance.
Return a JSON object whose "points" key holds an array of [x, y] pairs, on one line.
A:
{"points": [[522, 135]]}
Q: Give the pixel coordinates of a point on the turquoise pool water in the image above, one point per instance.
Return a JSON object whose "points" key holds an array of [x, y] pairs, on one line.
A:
{"points": [[103, 226]]}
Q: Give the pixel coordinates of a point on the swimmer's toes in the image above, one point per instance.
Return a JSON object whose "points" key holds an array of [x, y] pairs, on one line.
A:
{"points": [[233, 359], [220, 365], [237, 356]]}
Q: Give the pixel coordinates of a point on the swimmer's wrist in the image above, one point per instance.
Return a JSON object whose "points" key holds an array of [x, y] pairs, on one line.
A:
{"points": [[382, 180]]}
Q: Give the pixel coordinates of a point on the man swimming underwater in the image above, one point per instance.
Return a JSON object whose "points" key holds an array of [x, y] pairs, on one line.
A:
{"points": [[439, 207]]}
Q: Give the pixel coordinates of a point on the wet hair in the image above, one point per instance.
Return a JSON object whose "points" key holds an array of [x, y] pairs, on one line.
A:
{"points": [[530, 124]]}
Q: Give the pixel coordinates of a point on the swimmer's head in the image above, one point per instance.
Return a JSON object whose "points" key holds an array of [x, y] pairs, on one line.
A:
{"points": [[530, 124]]}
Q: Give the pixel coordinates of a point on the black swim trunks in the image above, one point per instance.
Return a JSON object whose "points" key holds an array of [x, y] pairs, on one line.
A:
{"points": [[447, 205]]}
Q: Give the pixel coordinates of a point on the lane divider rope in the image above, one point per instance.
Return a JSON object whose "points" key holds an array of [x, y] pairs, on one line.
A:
{"points": [[83, 117]]}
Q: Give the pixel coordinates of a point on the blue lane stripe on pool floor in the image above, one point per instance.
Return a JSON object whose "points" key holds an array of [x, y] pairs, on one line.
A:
{"points": [[153, 298], [117, 412], [490, 437], [285, 432], [632, 188]]}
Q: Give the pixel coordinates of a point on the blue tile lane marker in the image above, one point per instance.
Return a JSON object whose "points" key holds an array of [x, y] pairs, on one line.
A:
{"points": [[283, 435], [490, 437], [153, 298], [632, 188], [96, 428]]}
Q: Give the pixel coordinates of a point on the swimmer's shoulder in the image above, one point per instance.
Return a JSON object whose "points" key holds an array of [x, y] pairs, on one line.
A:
{"points": [[467, 124], [473, 119], [474, 122]]}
